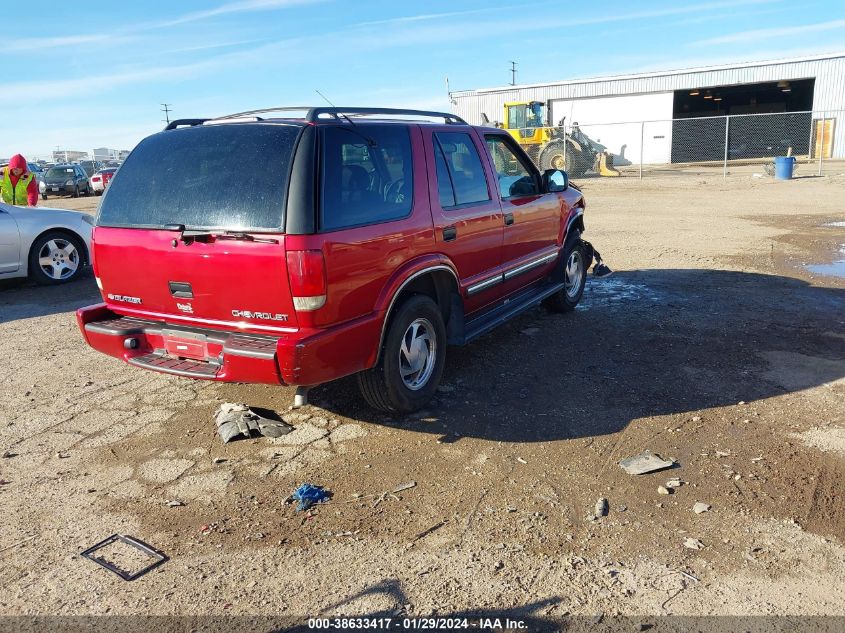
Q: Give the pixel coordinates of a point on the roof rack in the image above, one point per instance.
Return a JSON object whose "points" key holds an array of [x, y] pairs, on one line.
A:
{"points": [[452, 119], [184, 122], [312, 113]]}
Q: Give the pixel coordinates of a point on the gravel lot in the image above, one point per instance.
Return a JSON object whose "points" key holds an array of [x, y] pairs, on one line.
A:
{"points": [[711, 345]]}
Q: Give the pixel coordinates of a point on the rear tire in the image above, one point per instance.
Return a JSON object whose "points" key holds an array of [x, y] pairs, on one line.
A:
{"points": [[412, 359], [574, 278]]}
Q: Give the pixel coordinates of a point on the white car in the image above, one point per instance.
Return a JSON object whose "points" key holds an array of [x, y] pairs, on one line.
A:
{"points": [[50, 246], [100, 180]]}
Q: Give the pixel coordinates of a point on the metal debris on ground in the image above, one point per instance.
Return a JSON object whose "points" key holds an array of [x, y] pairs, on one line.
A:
{"points": [[700, 507], [428, 531], [645, 463], [407, 486], [308, 494], [693, 543], [234, 420], [675, 482], [175, 504], [521, 461], [148, 552]]}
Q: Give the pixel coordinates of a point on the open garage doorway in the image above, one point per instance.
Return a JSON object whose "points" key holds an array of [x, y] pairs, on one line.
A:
{"points": [[766, 119]]}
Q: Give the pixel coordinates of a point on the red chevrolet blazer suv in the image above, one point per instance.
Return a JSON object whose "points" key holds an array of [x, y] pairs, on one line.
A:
{"points": [[295, 248]]}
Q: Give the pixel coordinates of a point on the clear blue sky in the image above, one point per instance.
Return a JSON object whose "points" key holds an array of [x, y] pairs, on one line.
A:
{"points": [[90, 74]]}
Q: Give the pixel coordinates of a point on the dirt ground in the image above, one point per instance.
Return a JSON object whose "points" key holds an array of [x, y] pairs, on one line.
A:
{"points": [[712, 345]]}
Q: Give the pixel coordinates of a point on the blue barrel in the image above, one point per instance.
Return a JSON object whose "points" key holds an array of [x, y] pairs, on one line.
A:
{"points": [[784, 166]]}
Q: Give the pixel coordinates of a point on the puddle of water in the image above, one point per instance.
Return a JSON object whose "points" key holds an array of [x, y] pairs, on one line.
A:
{"points": [[835, 269], [614, 290]]}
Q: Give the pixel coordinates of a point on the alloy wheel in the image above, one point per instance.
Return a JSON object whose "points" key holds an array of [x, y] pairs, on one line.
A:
{"points": [[59, 259]]}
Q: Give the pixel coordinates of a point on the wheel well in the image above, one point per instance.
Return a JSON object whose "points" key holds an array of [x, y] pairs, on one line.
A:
{"points": [[437, 284], [576, 225], [440, 285], [86, 256]]}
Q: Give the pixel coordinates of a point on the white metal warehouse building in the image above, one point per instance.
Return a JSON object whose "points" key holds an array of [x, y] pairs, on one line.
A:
{"points": [[677, 115]]}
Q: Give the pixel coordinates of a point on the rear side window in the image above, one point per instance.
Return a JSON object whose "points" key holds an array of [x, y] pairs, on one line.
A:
{"points": [[230, 177], [367, 175], [462, 166]]}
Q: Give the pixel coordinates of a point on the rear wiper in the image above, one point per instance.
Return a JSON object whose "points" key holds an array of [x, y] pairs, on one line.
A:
{"points": [[203, 235], [247, 237], [187, 234]]}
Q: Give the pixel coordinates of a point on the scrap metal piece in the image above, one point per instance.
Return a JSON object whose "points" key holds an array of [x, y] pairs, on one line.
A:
{"points": [[644, 463], [234, 420], [159, 558]]}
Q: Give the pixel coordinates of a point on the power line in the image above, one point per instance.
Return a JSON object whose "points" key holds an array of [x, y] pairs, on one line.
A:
{"points": [[166, 110]]}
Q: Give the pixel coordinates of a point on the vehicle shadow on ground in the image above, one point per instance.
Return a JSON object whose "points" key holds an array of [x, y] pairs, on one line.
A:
{"points": [[22, 299], [643, 343], [390, 591]]}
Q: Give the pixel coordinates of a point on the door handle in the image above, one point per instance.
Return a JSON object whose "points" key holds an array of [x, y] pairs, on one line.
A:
{"points": [[508, 219], [450, 233]]}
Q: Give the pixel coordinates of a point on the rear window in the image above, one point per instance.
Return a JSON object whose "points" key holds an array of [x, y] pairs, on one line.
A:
{"points": [[230, 177]]}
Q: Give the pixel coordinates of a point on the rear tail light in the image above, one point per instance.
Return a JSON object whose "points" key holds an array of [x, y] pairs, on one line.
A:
{"points": [[307, 275]]}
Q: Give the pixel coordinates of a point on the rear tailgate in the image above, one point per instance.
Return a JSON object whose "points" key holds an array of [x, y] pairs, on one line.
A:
{"points": [[215, 282]]}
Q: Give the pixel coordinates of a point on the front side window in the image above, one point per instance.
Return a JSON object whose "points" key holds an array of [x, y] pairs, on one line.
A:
{"points": [[367, 175], [515, 178], [466, 179]]}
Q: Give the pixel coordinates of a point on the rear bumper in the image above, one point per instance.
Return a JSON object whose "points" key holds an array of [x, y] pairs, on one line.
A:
{"points": [[225, 356]]}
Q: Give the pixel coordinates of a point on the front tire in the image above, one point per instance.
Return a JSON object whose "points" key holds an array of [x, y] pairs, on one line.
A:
{"points": [[43, 196], [553, 156], [574, 278], [412, 359], [76, 191], [56, 258]]}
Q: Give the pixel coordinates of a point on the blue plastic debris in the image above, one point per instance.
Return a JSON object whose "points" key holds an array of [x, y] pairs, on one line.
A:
{"points": [[308, 495]]}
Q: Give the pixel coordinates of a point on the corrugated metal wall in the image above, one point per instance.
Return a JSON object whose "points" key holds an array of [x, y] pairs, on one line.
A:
{"points": [[829, 93]]}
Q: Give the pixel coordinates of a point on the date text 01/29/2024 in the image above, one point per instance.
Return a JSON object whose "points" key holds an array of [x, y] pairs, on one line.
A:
{"points": [[423, 624]]}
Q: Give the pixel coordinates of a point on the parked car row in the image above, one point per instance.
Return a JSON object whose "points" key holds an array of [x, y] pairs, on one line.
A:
{"points": [[73, 180]]}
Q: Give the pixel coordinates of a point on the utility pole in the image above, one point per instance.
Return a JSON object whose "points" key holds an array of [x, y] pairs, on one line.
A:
{"points": [[166, 109], [513, 73]]}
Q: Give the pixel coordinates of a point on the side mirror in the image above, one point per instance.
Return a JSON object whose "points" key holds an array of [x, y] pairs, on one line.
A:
{"points": [[555, 180]]}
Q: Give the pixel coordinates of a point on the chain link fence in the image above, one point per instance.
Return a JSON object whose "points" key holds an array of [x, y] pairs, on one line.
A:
{"points": [[733, 145]]}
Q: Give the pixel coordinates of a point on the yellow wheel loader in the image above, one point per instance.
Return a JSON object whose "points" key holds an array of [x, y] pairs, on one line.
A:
{"points": [[551, 147]]}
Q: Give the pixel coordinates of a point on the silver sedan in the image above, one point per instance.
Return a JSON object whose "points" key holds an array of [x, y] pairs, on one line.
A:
{"points": [[50, 246]]}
